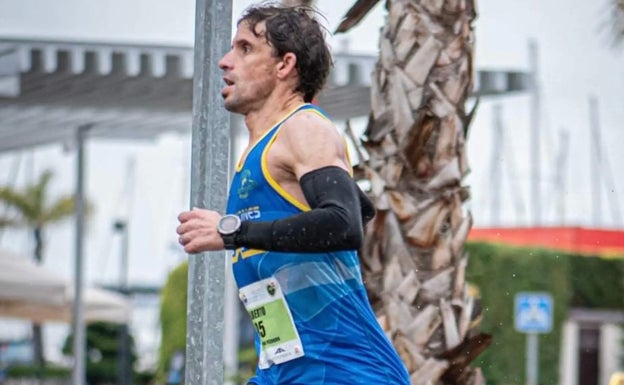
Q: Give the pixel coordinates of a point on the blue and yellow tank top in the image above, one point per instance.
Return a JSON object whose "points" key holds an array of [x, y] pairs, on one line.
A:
{"points": [[339, 340]]}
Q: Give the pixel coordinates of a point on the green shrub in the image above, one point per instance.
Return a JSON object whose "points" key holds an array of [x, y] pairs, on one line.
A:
{"points": [[573, 280], [102, 347], [172, 318], [32, 371]]}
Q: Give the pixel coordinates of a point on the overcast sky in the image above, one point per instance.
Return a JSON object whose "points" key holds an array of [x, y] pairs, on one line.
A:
{"points": [[575, 62]]}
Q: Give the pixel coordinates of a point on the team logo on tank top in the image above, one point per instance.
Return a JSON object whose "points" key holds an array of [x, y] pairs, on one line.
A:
{"points": [[247, 184]]}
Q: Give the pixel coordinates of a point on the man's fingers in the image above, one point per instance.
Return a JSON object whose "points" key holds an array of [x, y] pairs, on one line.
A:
{"points": [[197, 213], [194, 213], [189, 225], [197, 230], [198, 245], [192, 248], [185, 216], [191, 235], [195, 223]]}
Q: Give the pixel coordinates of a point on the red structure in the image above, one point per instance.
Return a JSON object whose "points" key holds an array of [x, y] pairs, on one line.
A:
{"points": [[599, 242]]}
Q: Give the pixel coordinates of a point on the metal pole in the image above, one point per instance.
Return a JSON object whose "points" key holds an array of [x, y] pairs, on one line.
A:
{"points": [[209, 178], [596, 162], [532, 356], [231, 317], [535, 136], [601, 171], [560, 180], [121, 226], [498, 149], [78, 313], [231, 329], [125, 369]]}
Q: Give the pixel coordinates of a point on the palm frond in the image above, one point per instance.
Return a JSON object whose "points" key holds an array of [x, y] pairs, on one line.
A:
{"points": [[19, 201], [61, 209], [611, 26], [617, 17], [10, 222], [355, 14], [40, 190]]}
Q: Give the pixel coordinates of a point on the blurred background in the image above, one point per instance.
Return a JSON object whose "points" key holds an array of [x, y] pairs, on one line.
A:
{"points": [[545, 158]]}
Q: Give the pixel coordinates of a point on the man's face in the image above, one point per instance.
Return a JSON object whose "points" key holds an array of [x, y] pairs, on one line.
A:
{"points": [[249, 70]]}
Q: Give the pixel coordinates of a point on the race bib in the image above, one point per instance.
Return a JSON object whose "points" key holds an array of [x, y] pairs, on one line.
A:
{"points": [[271, 317]]}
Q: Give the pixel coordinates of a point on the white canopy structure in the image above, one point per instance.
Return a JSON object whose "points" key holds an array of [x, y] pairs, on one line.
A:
{"points": [[22, 281], [31, 292], [48, 88], [99, 305]]}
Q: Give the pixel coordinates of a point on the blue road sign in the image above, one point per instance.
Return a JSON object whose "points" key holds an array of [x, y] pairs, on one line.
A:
{"points": [[533, 312]]}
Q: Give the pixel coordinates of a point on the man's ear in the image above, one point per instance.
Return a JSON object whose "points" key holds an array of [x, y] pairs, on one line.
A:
{"points": [[287, 65]]}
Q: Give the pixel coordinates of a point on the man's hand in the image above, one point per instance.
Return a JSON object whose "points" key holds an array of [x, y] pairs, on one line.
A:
{"points": [[198, 231]]}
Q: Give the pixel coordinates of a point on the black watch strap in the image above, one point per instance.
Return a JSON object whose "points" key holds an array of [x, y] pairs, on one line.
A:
{"points": [[229, 241]]}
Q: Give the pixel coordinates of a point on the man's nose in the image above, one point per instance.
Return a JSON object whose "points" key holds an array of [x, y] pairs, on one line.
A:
{"points": [[225, 61]]}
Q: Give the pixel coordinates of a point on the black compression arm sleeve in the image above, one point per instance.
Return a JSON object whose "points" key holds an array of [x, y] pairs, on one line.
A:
{"points": [[333, 223]]}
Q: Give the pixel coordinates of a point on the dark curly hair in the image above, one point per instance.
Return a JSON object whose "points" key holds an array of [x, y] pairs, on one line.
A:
{"points": [[294, 29]]}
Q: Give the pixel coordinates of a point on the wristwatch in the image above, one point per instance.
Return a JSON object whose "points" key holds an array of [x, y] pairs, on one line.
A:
{"points": [[229, 226]]}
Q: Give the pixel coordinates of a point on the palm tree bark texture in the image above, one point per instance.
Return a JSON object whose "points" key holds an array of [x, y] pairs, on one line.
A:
{"points": [[413, 259]]}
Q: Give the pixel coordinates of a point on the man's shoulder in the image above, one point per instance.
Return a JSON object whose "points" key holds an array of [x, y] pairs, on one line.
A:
{"points": [[313, 111], [305, 120]]}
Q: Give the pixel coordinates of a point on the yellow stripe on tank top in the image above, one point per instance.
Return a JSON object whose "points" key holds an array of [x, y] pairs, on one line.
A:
{"points": [[240, 254], [348, 155], [267, 175], [241, 161]]}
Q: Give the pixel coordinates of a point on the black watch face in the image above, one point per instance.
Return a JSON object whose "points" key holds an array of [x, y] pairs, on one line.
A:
{"points": [[229, 224]]}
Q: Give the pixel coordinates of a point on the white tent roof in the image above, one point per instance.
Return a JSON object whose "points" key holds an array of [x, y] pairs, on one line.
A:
{"points": [[49, 88], [22, 280], [30, 291], [99, 305]]}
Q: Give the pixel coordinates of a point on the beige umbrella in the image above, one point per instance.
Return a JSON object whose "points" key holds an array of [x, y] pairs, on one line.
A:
{"points": [[22, 280], [99, 305], [29, 291], [103, 305]]}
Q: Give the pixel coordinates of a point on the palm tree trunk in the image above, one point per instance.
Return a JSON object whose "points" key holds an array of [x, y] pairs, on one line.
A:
{"points": [[413, 260], [37, 336], [38, 235], [37, 333]]}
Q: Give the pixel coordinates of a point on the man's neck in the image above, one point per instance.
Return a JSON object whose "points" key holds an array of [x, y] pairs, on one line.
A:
{"points": [[272, 111]]}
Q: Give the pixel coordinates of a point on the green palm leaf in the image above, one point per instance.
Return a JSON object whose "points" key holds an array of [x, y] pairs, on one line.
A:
{"points": [[9, 222], [30, 204], [19, 202], [62, 208], [39, 192], [617, 17]]}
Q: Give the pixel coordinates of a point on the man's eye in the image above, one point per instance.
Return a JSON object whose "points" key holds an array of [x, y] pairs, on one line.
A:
{"points": [[246, 48]]}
